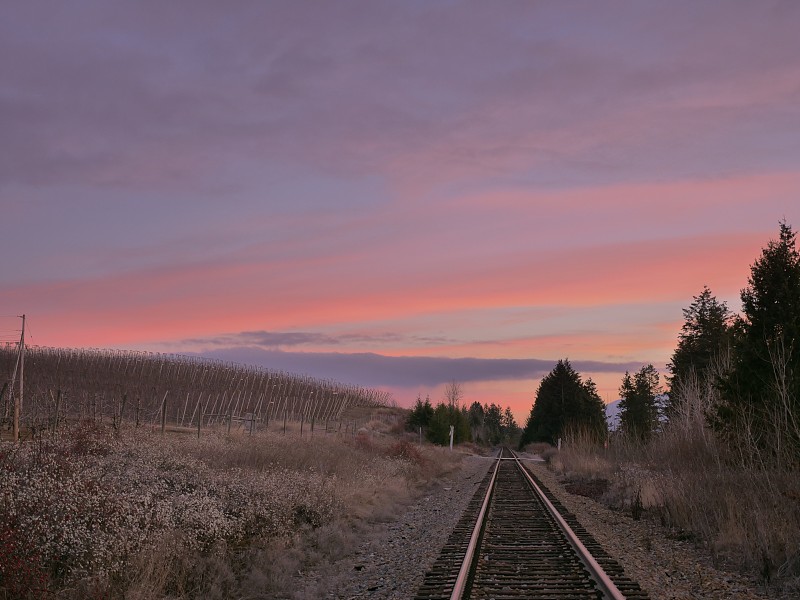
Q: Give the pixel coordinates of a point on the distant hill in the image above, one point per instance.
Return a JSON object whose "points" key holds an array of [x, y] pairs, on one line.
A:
{"points": [[613, 410], [612, 415]]}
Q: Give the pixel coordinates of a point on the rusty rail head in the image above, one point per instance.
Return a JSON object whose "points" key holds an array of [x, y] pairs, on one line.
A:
{"points": [[463, 573]]}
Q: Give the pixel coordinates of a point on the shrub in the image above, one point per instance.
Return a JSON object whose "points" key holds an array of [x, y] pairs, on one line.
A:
{"points": [[21, 571], [141, 516], [538, 448], [406, 451], [746, 515], [87, 513]]}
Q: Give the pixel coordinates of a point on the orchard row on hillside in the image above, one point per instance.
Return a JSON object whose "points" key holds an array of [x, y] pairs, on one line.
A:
{"points": [[164, 389]]}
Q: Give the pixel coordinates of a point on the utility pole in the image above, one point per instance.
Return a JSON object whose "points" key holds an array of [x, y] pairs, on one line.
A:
{"points": [[18, 398]]}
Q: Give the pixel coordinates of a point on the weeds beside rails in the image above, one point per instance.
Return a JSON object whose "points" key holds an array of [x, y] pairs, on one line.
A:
{"points": [[747, 516], [91, 514]]}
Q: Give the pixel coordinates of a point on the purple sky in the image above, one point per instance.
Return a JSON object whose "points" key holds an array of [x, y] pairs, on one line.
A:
{"points": [[394, 194]]}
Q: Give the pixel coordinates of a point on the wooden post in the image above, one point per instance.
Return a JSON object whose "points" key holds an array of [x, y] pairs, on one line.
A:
{"points": [[122, 409], [21, 368], [284, 421], [199, 416], [238, 401], [58, 410], [185, 406], [229, 420], [51, 427], [164, 412], [138, 407], [6, 405], [18, 398]]}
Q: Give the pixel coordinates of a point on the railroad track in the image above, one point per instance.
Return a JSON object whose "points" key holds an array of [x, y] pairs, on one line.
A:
{"points": [[515, 540]]}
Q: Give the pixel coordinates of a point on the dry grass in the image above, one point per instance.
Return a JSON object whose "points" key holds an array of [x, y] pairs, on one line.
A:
{"points": [[93, 514], [537, 448], [746, 516]]}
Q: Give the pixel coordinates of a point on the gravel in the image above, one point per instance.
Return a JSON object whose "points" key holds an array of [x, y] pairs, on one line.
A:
{"points": [[391, 558]]}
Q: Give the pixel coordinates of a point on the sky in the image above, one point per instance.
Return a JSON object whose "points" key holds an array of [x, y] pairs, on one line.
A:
{"points": [[396, 195]]}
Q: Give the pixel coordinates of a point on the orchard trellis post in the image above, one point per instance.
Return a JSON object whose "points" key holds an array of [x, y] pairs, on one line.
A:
{"points": [[63, 385], [19, 366], [164, 413]]}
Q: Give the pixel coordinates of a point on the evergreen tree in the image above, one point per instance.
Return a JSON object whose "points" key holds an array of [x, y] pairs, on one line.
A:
{"points": [[762, 393], [476, 418], [439, 427], [463, 431], [510, 430], [493, 422], [706, 332], [594, 414], [564, 400], [420, 415], [639, 408], [445, 415]]}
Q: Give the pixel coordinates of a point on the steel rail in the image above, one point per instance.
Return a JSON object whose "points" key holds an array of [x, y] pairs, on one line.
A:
{"points": [[602, 579], [463, 573], [516, 540]]}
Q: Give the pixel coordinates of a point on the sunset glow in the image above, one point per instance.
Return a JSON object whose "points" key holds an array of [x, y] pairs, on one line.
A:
{"points": [[375, 193]]}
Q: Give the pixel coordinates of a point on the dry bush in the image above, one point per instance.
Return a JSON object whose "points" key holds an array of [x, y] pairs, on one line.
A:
{"points": [[399, 427], [537, 448], [582, 457], [734, 501], [143, 516], [407, 451], [473, 449], [322, 454], [749, 516], [552, 457], [377, 426], [743, 504]]}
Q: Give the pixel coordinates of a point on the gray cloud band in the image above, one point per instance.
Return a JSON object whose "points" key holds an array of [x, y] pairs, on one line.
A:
{"points": [[404, 371]]}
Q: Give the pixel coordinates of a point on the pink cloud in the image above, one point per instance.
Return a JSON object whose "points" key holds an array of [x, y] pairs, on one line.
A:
{"points": [[187, 301], [573, 263]]}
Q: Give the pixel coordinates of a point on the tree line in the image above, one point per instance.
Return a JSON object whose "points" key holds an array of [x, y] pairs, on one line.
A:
{"points": [[746, 366], [478, 423]]}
